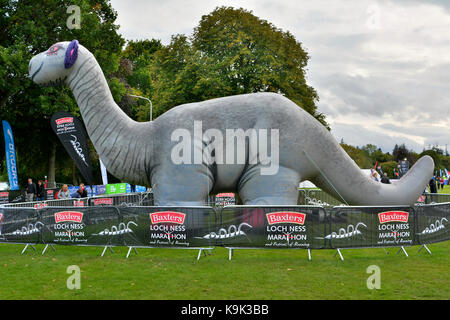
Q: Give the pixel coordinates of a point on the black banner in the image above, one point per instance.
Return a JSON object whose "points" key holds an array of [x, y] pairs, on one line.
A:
{"points": [[180, 227], [72, 135], [433, 223], [271, 227], [50, 193], [353, 227], [20, 225], [279, 227]]}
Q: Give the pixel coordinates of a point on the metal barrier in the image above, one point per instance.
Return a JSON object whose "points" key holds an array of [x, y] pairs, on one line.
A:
{"points": [[384, 226], [110, 226], [317, 197], [429, 198], [432, 223], [72, 202], [233, 227], [127, 199], [271, 227]]}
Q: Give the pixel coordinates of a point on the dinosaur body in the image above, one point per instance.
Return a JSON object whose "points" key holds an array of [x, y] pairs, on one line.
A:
{"points": [[142, 153]]}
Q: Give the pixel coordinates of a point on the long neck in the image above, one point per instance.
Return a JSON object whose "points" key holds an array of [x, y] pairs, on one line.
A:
{"points": [[117, 138]]}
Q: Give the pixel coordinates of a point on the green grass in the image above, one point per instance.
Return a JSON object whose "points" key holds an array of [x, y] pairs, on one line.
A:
{"points": [[251, 274], [445, 190]]}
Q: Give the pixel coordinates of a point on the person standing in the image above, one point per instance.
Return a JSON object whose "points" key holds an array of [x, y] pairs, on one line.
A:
{"points": [[30, 191], [40, 192], [432, 184]]}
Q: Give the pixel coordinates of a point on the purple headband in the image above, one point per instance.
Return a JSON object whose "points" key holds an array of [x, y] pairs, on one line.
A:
{"points": [[71, 54]]}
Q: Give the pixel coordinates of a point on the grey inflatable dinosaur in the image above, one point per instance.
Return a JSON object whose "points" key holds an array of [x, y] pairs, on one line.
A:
{"points": [[149, 153]]}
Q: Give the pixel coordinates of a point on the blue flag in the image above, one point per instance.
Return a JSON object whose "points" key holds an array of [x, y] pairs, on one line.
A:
{"points": [[10, 156]]}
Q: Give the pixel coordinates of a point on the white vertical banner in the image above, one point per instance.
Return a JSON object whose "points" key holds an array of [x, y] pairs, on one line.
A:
{"points": [[104, 173]]}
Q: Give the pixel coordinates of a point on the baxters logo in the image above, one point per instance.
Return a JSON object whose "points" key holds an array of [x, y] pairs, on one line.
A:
{"points": [[103, 201], [393, 216], [64, 120], [68, 216], [286, 217], [167, 217], [4, 194], [225, 195]]}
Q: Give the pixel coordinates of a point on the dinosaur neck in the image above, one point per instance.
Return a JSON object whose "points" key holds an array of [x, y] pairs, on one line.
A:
{"points": [[116, 137]]}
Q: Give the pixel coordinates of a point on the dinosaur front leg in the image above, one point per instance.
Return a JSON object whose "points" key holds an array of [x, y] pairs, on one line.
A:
{"points": [[278, 189]]}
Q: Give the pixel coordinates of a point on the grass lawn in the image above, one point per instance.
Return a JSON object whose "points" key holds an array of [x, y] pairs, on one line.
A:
{"points": [[446, 190], [251, 274]]}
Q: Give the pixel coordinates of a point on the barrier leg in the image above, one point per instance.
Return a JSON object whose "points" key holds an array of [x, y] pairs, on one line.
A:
{"points": [[230, 253], [426, 248], [309, 254], [104, 250], [26, 247], [46, 246], [404, 251], [340, 254], [129, 250], [199, 254]]}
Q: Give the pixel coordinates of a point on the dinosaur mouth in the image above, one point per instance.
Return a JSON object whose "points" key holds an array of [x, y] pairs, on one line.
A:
{"points": [[36, 72], [56, 82]]}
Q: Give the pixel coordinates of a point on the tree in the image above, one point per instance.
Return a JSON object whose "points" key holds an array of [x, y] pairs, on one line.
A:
{"points": [[30, 27], [135, 72], [375, 154], [232, 52], [359, 156], [401, 152]]}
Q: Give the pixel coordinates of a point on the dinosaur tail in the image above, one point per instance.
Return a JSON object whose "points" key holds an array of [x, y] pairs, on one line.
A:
{"points": [[347, 183]]}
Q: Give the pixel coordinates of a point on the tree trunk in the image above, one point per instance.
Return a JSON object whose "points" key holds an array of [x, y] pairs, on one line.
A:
{"points": [[74, 174], [51, 183]]}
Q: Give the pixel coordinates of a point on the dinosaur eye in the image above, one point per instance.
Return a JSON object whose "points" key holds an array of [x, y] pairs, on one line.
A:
{"points": [[53, 50]]}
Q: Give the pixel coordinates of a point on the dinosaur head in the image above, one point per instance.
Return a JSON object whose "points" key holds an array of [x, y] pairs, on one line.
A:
{"points": [[52, 67]]}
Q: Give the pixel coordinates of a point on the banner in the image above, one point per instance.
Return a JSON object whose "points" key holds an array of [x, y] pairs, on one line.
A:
{"points": [[118, 188], [225, 199], [264, 227], [168, 227], [10, 152], [20, 225], [72, 135], [104, 173], [271, 227], [4, 197], [50, 193], [353, 227]]}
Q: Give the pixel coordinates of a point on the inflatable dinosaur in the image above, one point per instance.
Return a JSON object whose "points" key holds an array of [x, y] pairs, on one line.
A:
{"points": [[143, 153]]}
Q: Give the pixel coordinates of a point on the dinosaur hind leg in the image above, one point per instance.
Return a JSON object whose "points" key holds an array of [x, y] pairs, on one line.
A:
{"points": [[181, 186], [278, 189]]}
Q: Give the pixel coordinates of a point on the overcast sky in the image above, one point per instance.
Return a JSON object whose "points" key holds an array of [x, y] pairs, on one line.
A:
{"points": [[381, 67]]}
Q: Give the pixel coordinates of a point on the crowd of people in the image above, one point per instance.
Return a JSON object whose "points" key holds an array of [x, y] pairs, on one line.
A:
{"points": [[437, 183], [380, 178], [35, 192]]}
